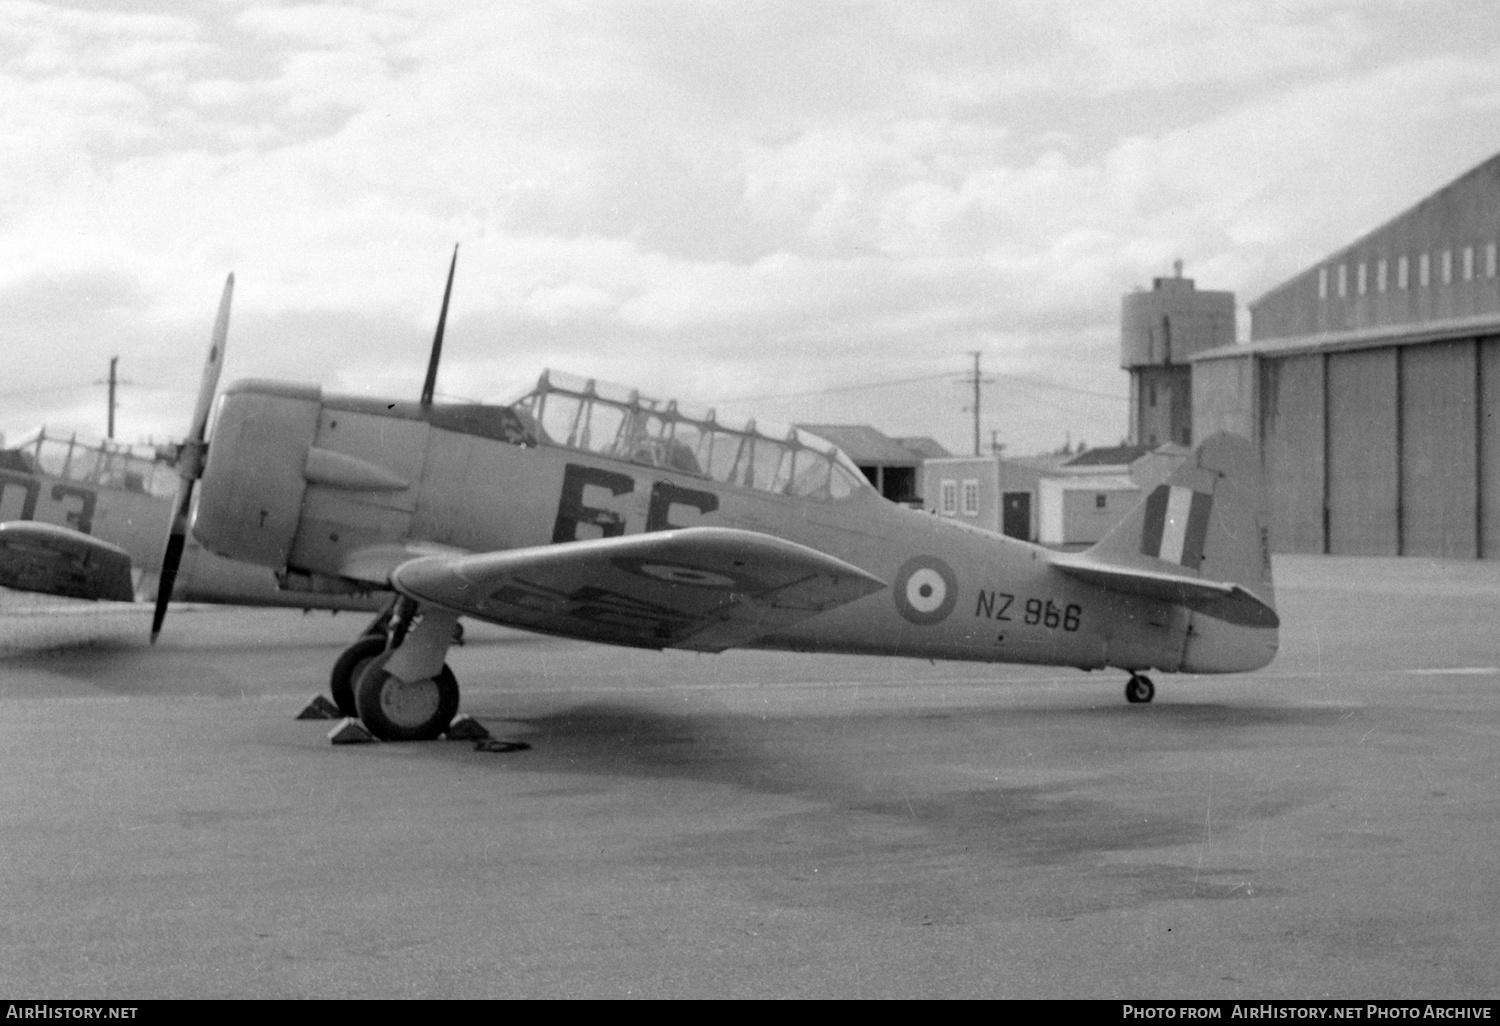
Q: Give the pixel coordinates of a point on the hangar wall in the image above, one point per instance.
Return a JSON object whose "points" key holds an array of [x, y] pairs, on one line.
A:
{"points": [[1371, 386]]}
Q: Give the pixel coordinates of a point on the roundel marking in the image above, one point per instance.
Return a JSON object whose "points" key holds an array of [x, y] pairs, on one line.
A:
{"points": [[926, 590], [682, 573]]}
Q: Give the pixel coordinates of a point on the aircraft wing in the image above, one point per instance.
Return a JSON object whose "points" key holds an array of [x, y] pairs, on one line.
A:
{"points": [[1224, 600], [700, 588], [57, 560]]}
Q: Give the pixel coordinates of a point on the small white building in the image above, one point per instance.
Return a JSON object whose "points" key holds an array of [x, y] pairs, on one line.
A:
{"points": [[1058, 500], [1079, 510]]}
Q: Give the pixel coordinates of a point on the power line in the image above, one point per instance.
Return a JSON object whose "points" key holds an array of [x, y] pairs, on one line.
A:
{"points": [[832, 391], [1062, 388], [991, 377]]}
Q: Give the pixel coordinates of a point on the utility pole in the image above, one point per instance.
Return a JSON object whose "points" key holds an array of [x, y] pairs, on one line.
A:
{"points": [[976, 401], [114, 381], [976, 379], [114, 362]]}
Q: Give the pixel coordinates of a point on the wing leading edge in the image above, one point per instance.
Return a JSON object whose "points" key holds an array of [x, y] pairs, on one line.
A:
{"points": [[700, 588]]}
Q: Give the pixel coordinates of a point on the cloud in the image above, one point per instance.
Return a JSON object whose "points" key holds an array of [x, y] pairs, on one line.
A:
{"points": [[698, 195]]}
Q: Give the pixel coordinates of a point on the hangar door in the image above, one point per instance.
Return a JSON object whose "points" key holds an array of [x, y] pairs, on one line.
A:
{"points": [[1489, 447], [1383, 451], [1438, 457], [1363, 486], [1291, 419]]}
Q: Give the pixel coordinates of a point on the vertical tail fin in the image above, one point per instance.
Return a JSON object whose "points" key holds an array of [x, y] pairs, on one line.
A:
{"points": [[1201, 539]]}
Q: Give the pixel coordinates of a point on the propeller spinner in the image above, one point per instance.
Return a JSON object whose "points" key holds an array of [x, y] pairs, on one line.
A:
{"points": [[190, 461]]}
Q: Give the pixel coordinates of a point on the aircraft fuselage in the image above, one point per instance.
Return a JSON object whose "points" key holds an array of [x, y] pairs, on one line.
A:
{"points": [[312, 485]]}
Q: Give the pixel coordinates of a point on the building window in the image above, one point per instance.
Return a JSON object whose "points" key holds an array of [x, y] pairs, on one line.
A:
{"points": [[1151, 395], [949, 502], [1424, 270], [1322, 283], [971, 498], [1468, 263], [1489, 260], [1100, 500], [1343, 280], [1380, 269], [1360, 284], [1447, 265], [1402, 275]]}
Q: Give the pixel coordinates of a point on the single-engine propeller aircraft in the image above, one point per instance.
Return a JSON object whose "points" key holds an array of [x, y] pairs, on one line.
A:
{"points": [[88, 519], [592, 512]]}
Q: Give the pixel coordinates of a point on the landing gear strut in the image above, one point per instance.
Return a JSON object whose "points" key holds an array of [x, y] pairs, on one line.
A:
{"points": [[1139, 689]]}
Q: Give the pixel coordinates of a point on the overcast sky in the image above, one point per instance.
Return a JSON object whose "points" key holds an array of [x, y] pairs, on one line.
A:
{"points": [[754, 205]]}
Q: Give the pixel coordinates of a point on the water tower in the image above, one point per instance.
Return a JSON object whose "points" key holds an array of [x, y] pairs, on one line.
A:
{"points": [[1159, 331]]}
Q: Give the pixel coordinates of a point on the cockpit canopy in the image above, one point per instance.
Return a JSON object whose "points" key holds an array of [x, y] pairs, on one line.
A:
{"points": [[98, 463], [619, 423]]}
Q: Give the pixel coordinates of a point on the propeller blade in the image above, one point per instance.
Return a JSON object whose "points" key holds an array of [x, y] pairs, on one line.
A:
{"points": [[430, 385], [211, 368], [190, 461], [170, 561]]}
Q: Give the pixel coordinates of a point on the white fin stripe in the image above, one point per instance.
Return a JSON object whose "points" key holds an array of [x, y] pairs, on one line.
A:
{"points": [[1174, 531]]}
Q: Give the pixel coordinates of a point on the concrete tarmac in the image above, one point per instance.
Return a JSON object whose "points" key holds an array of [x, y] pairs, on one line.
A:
{"points": [[761, 824]]}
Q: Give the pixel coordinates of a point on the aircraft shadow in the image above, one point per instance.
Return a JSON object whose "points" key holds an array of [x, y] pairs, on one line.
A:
{"points": [[902, 781]]}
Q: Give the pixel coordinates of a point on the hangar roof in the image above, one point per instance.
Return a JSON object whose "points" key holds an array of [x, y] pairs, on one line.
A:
{"points": [[1456, 228], [1360, 338]]}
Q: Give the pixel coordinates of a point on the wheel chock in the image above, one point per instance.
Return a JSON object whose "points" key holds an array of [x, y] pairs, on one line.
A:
{"points": [[467, 728], [350, 732], [320, 708]]}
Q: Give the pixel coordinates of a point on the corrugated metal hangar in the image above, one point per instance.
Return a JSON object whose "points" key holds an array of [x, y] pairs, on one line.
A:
{"points": [[1371, 383]]}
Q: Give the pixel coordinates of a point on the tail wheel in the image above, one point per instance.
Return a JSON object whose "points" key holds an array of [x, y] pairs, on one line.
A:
{"points": [[1139, 689], [348, 668], [398, 710]]}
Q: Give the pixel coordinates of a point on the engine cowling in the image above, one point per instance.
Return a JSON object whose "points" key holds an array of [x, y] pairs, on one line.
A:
{"points": [[250, 498]]}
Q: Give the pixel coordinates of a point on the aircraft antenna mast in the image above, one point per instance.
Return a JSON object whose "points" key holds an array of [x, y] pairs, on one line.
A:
{"points": [[430, 385]]}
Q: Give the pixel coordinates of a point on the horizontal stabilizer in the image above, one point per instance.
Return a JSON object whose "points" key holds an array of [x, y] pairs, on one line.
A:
{"points": [[1223, 600], [55, 560], [701, 588]]}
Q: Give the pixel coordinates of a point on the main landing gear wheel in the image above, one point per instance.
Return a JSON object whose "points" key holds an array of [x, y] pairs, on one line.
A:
{"points": [[1139, 688], [397, 710], [347, 670]]}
